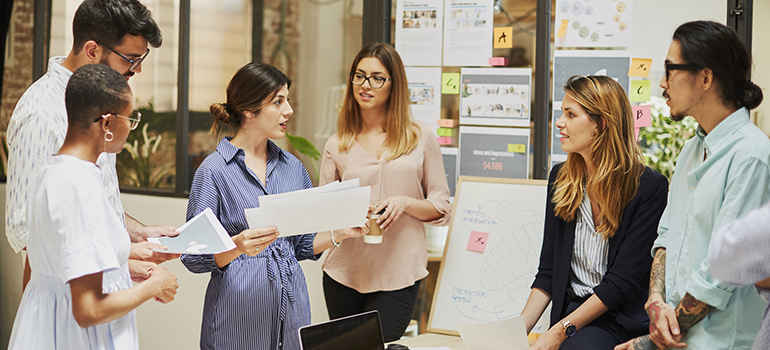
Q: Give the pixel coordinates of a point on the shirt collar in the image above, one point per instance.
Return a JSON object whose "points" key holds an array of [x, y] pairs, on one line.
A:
{"points": [[715, 139], [229, 151], [57, 71]]}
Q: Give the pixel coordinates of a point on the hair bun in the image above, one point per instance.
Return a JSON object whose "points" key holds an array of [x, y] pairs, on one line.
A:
{"points": [[220, 111], [751, 96]]}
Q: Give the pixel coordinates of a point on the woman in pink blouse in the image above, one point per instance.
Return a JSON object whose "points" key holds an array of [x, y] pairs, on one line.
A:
{"points": [[378, 143]]}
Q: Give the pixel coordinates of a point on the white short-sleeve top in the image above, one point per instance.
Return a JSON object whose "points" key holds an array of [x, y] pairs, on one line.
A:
{"points": [[74, 232]]}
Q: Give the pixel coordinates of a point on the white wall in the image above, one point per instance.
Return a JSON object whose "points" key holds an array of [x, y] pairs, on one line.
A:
{"points": [[761, 51]]}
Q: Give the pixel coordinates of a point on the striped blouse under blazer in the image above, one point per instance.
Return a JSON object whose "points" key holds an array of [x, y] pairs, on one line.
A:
{"points": [[254, 302], [626, 282]]}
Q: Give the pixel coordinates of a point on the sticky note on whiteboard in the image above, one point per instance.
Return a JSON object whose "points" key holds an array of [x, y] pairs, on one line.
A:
{"points": [[562, 28], [642, 116], [477, 241], [640, 67], [640, 90]]}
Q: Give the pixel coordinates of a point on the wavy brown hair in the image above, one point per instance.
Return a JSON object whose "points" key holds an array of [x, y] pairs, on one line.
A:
{"points": [[615, 154], [402, 133]]}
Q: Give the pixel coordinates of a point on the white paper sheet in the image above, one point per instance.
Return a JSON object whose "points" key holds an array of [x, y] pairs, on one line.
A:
{"points": [[496, 96], [425, 94], [203, 234], [326, 208], [418, 31], [468, 32], [506, 334], [594, 23]]}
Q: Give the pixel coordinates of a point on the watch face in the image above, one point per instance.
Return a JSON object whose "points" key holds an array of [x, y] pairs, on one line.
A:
{"points": [[570, 330]]}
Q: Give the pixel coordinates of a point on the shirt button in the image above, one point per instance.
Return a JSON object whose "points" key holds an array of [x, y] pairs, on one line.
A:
{"points": [[692, 188]]}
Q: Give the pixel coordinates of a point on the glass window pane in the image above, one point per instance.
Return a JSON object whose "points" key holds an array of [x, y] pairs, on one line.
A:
{"points": [[220, 44]]}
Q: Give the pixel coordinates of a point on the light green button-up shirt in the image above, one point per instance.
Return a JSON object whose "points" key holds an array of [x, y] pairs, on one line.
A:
{"points": [[705, 196]]}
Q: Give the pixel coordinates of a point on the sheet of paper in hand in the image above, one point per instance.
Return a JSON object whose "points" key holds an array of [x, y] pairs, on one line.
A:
{"points": [[203, 234]]}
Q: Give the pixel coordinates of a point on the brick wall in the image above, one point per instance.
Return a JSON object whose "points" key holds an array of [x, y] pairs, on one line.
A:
{"points": [[17, 75]]}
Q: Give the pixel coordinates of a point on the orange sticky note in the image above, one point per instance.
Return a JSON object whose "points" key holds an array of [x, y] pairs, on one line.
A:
{"points": [[562, 28], [503, 38], [640, 67], [446, 123]]}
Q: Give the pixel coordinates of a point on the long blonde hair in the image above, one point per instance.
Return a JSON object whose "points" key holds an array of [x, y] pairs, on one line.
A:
{"points": [[402, 133], [616, 155]]}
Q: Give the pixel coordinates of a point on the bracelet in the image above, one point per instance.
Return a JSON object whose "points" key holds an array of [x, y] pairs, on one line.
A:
{"points": [[334, 242]]}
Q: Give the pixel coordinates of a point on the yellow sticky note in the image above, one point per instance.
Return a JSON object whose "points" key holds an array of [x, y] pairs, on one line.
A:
{"points": [[562, 28], [444, 132], [450, 83], [640, 67], [517, 148], [503, 37], [640, 90]]}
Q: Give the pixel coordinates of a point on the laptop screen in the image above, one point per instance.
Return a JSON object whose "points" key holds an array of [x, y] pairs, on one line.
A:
{"points": [[359, 332]]}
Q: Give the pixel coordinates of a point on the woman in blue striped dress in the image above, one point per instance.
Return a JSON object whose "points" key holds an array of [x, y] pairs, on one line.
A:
{"points": [[257, 297], [601, 219]]}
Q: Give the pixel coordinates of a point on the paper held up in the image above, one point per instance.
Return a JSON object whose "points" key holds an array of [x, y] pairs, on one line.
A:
{"points": [[335, 206], [510, 333], [203, 234]]}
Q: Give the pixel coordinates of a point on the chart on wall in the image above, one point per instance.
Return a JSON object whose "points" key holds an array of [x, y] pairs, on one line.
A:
{"points": [[494, 152], [419, 31], [425, 94], [468, 32], [594, 23], [492, 253], [495, 96]]}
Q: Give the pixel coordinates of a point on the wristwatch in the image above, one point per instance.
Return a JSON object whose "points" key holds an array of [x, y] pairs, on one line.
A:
{"points": [[569, 328]]}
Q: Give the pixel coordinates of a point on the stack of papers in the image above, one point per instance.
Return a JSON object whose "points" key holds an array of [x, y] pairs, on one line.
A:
{"points": [[203, 234], [335, 206]]}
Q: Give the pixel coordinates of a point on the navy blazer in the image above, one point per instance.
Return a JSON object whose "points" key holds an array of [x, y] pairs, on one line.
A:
{"points": [[625, 286]]}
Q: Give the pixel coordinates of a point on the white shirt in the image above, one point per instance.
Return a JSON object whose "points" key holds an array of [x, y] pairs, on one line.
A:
{"points": [[35, 133], [589, 253], [73, 232]]}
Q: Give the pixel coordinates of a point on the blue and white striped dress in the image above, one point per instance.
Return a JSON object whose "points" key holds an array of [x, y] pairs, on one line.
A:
{"points": [[254, 302]]}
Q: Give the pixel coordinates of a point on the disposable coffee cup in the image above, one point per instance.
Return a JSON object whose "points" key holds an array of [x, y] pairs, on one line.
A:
{"points": [[375, 233]]}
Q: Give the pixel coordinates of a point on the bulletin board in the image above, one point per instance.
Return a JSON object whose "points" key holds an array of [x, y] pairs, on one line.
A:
{"points": [[492, 252]]}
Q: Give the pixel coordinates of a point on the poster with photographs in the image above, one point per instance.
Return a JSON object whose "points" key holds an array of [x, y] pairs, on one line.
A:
{"points": [[468, 32], [495, 96], [586, 23], [425, 94], [418, 32]]}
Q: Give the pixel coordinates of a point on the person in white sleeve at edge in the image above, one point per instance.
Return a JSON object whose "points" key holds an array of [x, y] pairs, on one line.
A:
{"points": [[111, 32], [740, 254]]}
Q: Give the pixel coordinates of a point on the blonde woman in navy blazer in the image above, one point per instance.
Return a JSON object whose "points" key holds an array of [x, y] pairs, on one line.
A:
{"points": [[602, 216]]}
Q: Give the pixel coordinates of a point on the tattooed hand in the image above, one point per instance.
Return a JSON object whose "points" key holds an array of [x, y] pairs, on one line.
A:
{"points": [[664, 327], [640, 343]]}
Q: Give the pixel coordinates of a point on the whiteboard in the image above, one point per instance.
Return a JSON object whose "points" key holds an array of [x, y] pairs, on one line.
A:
{"points": [[478, 287]]}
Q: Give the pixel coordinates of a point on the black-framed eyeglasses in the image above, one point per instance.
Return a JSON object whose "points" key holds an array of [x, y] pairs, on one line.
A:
{"points": [[134, 63], [375, 81], [135, 118], [677, 66]]}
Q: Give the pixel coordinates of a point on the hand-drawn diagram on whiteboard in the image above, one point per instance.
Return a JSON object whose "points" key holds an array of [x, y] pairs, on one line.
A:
{"points": [[477, 287], [594, 23]]}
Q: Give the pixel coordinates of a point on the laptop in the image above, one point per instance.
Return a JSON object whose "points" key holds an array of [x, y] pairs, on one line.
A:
{"points": [[356, 332]]}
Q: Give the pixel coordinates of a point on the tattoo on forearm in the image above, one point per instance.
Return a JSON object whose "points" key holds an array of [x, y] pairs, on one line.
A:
{"points": [[644, 343], [658, 274], [654, 311], [690, 311]]}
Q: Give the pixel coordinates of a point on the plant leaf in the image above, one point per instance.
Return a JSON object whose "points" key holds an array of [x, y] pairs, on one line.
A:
{"points": [[302, 145]]}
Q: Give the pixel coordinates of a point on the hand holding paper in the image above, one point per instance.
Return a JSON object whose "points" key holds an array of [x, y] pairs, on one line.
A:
{"points": [[252, 242]]}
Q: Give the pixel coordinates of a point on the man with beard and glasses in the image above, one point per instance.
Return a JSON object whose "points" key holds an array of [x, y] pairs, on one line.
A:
{"points": [[111, 32], [721, 174]]}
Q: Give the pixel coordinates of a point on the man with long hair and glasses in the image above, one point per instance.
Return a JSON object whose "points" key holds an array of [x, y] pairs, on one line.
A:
{"points": [[111, 32], [721, 174]]}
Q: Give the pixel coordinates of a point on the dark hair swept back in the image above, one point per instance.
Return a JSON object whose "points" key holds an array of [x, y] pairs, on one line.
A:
{"points": [[94, 90], [251, 89], [108, 21], [717, 47]]}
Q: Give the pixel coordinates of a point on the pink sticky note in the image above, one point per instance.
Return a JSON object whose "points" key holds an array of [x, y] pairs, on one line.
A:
{"points": [[636, 135], [478, 241], [446, 123], [444, 140], [498, 61], [642, 116]]}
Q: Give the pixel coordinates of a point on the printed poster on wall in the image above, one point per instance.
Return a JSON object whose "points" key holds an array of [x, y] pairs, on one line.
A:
{"points": [[586, 23], [468, 30], [494, 152], [425, 94], [418, 31], [495, 96], [450, 167]]}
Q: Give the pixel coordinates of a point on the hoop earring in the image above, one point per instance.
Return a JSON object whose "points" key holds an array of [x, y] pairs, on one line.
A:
{"points": [[109, 136]]}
